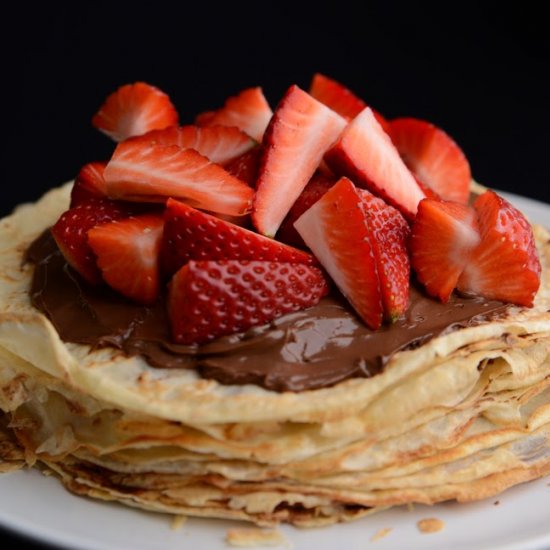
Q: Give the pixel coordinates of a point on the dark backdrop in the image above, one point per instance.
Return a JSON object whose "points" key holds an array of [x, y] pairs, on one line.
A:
{"points": [[481, 74]]}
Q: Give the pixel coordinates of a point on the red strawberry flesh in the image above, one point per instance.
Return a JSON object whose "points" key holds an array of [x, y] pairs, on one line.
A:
{"points": [[444, 235], [389, 235], [317, 186], [71, 233], [300, 132], [210, 299], [340, 99], [135, 109], [336, 96], [190, 234], [147, 172], [249, 111], [505, 265], [89, 183], [128, 255], [220, 144], [433, 157], [246, 167], [365, 153], [336, 231]]}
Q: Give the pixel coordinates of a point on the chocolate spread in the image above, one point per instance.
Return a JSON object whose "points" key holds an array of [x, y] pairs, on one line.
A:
{"points": [[310, 349]]}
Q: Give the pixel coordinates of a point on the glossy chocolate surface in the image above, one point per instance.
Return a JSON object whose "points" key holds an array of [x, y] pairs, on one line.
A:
{"points": [[310, 349]]}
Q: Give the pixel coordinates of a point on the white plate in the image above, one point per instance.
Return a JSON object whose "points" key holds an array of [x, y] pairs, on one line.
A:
{"points": [[39, 507]]}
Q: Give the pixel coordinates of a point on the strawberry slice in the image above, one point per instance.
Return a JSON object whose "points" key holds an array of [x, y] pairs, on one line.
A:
{"points": [[444, 235], [205, 118], [147, 172], [335, 229], [190, 234], [249, 111], [299, 133], [365, 153], [89, 183], [428, 191], [340, 99], [220, 144], [505, 265], [246, 167], [128, 255], [71, 233], [434, 157], [389, 236], [317, 186], [135, 109], [209, 299]]}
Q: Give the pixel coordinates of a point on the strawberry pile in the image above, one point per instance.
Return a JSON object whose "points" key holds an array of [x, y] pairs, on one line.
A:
{"points": [[249, 213]]}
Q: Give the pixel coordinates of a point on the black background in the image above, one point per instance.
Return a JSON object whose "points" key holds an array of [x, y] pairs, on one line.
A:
{"points": [[480, 73]]}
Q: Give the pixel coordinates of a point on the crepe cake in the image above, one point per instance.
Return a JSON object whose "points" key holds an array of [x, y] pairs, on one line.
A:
{"points": [[311, 418]]}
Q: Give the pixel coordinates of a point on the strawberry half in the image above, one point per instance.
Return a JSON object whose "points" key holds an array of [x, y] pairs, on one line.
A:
{"points": [[317, 186], [89, 183], [246, 167], [299, 133], [335, 229], [209, 299], [145, 172], [135, 109], [428, 191], [444, 235], [193, 235], [340, 99], [365, 153], [220, 144], [249, 111], [434, 157], [71, 233], [505, 265], [128, 255], [389, 236]]}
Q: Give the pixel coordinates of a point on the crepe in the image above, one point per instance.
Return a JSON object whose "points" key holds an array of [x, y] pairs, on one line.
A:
{"points": [[462, 416]]}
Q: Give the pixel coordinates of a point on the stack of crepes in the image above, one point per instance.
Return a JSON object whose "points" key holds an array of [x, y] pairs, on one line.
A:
{"points": [[462, 416]]}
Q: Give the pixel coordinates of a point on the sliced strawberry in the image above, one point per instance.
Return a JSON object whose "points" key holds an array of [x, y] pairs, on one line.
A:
{"points": [[205, 118], [220, 144], [505, 265], [190, 234], [299, 133], [325, 170], [317, 186], [71, 233], [147, 172], [444, 235], [128, 255], [336, 96], [341, 99], [428, 191], [335, 229], [434, 157], [209, 299], [249, 111], [133, 110], [389, 236], [89, 183], [365, 153], [246, 167]]}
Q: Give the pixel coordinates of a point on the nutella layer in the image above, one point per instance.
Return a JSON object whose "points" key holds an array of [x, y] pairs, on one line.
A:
{"points": [[314, 348]]}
